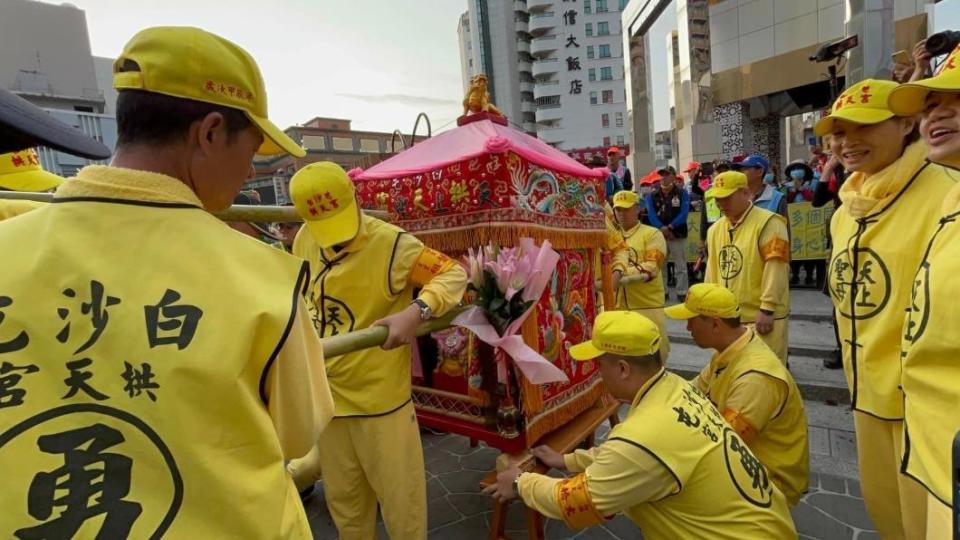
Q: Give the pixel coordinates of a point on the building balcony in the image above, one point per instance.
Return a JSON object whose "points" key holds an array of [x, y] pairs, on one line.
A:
{"points": [[547, 66], [549, 113], [524, 65], [552, 134], [530, 127], [544, 44], [526, 86], [528, 106], [535, 5], [542, 23], [520, 5], [521, 26], [545, 88], [523, 46]]}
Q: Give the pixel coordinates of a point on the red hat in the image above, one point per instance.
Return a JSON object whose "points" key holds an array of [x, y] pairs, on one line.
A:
{"points": [[651, 178], [692, 166], [613, 150]]}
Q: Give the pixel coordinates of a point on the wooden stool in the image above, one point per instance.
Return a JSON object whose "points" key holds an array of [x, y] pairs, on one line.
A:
{"points": [[571, 435]]}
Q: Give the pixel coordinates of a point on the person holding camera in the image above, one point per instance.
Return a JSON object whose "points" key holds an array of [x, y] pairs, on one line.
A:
{"points": [[929, 343]]}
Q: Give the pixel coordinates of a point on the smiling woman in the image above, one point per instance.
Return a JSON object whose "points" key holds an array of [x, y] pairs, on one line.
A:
{"points": [[929, 338], [879, 236]]}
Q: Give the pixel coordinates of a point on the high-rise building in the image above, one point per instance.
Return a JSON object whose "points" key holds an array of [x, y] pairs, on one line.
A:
{"points": [[554, 67], [45, 58], [494, 41]]}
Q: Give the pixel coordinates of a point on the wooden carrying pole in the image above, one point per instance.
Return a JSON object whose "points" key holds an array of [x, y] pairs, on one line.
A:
{"points": [[374, 336], [238, 212]]}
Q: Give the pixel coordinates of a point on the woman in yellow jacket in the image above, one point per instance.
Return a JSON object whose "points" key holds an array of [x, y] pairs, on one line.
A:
{"points": [[930, 344], [879, 235]]}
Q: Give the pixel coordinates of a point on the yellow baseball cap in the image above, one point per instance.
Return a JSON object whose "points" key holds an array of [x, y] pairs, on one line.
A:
{"points": [[21, 171], [864, 103], [726, 184], [191, 63], [324, 197], [625, 333], [910, 98], [707, 299], [625, 199]]}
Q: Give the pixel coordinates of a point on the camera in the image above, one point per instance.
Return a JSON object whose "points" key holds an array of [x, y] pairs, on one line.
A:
{"points": [[942, 42], [832, 51]]}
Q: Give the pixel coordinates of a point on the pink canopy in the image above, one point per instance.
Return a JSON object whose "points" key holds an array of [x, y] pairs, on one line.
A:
{"points": [[471, 140]]}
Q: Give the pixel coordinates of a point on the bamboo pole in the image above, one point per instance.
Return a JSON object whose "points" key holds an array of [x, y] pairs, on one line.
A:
{"points": [[237, 212], [376, 335]]}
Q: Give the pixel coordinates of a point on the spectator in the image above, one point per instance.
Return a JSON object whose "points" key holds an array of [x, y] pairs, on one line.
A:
{"points": [[799, 177], [616, 166], [765, 196], [667, 210], [612, 184]]}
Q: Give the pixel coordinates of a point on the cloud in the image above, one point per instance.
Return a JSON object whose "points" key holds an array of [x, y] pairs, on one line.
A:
{"points": [[405, 99]]}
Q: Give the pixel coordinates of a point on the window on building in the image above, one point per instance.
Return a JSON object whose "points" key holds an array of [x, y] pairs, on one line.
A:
{"points": [[586, 7], [619, 119], [314, 142], [605, 51], [605, 120], [470, 62], [619, 140], [606, 141], [589, 27], [601, 6], [590, 52], [370, 146], [603, 29], [593, 98], [608, 96], [606, 73], [343, 144], [623, 4], [592, 74]]}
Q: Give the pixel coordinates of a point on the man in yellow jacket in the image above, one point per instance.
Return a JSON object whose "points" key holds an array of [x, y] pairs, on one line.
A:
{"points": [[640, 257], [750, 255], [929, 344], [880, 233], [364, 274], [673, 466], [158, 367], [749, 386], [21, 171]]}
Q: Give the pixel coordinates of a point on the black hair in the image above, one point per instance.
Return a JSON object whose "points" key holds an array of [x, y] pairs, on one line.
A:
{"points": [[645, 362], [732, 322], [150, 118]]}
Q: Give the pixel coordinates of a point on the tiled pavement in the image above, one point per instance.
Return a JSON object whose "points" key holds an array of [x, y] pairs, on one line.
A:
{"points": [[833, 510]]}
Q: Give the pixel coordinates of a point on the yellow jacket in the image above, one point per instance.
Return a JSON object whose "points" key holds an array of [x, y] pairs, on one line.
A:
{"points": [[644, 249], [879, 235], [372, 277], [674, 467], [751, 258], [154, 344], [11, 208], [930, 354], [757, 396]]}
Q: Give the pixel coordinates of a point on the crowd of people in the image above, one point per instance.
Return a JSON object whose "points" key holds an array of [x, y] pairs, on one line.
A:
{"points": [[197, 401]]}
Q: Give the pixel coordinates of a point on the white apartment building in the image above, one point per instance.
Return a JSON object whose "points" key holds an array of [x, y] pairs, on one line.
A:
{"points": [[556, 65]]}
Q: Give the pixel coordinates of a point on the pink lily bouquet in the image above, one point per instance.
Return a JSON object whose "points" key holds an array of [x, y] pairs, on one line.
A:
{"points": [[508, 282]]}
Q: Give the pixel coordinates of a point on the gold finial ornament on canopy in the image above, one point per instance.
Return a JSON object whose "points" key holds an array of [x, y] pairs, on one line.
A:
{"points": [[477, 99]]}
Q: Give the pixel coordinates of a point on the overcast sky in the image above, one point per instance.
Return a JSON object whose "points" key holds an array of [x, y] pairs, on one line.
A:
{"points": [[377, 62]]}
